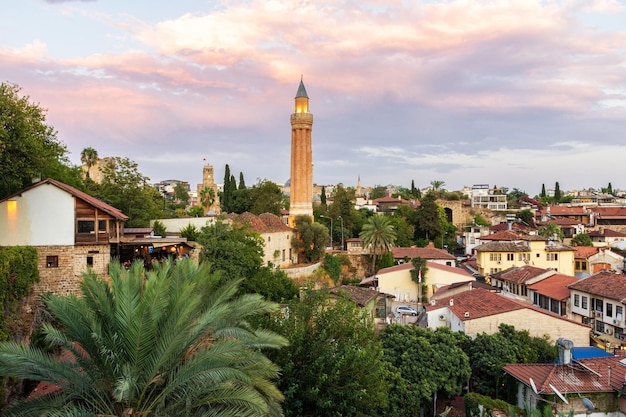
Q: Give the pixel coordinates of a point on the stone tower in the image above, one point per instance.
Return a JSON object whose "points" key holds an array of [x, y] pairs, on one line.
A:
{"points": [[301, 178], [208, 181]]}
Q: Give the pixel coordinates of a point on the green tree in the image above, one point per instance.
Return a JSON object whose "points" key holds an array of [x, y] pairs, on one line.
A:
{"points": [[207, 198], [543, 191], [551, 231], [231, 248], [323, 196], [89, 157], [377, 192], [582, 239], [557, 192], [413, 189], [527, 216], [343, 206], [379, 235], [310, 239], [404, 231], [159, 229], [242, 183], [203, 356], [266, 197], [126, 189], [428, 224], [418, 275], [430, 361], [437, 186], [241, 201], [333, 365], [181, 194], [271, 283], [29, 147], [226, 195], [190, 232]]}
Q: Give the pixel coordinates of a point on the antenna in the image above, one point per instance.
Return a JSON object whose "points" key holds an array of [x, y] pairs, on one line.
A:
{"points": [[588, 404], [532, 385], [558, 393]]}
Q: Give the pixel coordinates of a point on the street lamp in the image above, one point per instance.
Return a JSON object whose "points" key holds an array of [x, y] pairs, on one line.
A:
{"points": [[341, 232], [331, 229]]}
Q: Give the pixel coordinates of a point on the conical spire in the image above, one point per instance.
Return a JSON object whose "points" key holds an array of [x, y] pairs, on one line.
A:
{"points": [[301, 90]]}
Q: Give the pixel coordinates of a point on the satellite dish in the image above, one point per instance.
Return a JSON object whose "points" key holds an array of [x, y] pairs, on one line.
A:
{"points": [[558, 393], [532, 385], [588, 404]]}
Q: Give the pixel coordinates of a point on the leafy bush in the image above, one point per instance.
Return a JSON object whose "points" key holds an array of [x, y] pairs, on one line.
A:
{"points": [[159, 229], [190, 232]]}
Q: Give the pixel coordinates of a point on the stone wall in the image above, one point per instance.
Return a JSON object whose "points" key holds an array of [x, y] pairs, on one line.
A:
{"points": [[65, 278]]}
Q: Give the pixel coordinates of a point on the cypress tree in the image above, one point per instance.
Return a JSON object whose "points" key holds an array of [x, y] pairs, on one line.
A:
{"points": [[543, 190], [242, 183], [557, 192], [323, 196], [226, 196]]}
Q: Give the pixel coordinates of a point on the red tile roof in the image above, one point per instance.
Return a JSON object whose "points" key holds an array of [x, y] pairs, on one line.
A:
{"points": [[428, 252], [608, 212], [263, 223], [554, 287], [564, 211], [585, 251], [520, 274], [99, 204], [581, 376], [606, 284], [480, 302], [505, 235], [515, 227], [606, 233]]}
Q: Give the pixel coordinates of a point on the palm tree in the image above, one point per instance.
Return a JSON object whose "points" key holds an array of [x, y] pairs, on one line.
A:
{"points": [[207, 197], [552, 231], [170, 342], [379, 234], [437, 185], [89, 157]]}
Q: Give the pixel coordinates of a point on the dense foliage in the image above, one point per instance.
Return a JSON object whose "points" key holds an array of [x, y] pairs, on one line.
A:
{"points": [[204, 358], [235, 252], [29, 147], [309, 240], [431, 362], [18, 271], [333, 365]]}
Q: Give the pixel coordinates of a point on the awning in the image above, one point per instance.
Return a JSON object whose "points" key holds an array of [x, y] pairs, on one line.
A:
{"points": [[163, 244]]}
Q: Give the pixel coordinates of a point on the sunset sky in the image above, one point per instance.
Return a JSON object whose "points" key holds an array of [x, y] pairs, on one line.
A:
{"points": [[511, 93]]}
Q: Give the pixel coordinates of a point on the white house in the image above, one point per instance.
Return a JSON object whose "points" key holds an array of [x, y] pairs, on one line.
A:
{"points": [[70, 229]]}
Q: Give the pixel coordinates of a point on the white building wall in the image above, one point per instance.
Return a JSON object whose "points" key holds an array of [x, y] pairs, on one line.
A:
{"points": [[41, 216]]}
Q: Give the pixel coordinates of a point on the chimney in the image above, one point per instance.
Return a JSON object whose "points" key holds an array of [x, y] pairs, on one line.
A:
{"points": [[452, 301]]}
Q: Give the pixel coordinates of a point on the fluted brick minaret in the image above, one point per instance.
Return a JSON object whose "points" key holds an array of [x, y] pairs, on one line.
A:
{"points": [[301, 187]]}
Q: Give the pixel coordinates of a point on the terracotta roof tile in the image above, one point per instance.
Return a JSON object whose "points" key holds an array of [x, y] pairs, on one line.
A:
{"points": [[99, 204], [263, 223], [360, 295], [428, 252], [606, 284], [554, 287], [585, 251], [521, 274], [502, 247], [581, 376], [606, 233], [505, 235]]}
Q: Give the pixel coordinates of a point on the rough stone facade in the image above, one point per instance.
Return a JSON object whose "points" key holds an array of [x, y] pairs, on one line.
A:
{"points": [[71, 262]]}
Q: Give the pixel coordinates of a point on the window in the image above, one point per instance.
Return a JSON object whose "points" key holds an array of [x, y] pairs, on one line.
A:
{"points": [[90, 261], [581, 266], [599, 305], [577, 300], [525, 257], [283, 255], [86, 226], [552, 256], [510, 256], [102, 226], [619, 312], [584, 302], [495, 256], [269, 238], [609, 310], [494, 270], [52, 261]]}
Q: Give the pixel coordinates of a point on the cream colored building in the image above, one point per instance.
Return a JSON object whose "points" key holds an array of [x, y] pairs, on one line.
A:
{"points": [[396, 280], [481, 311], [504, 250]]}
